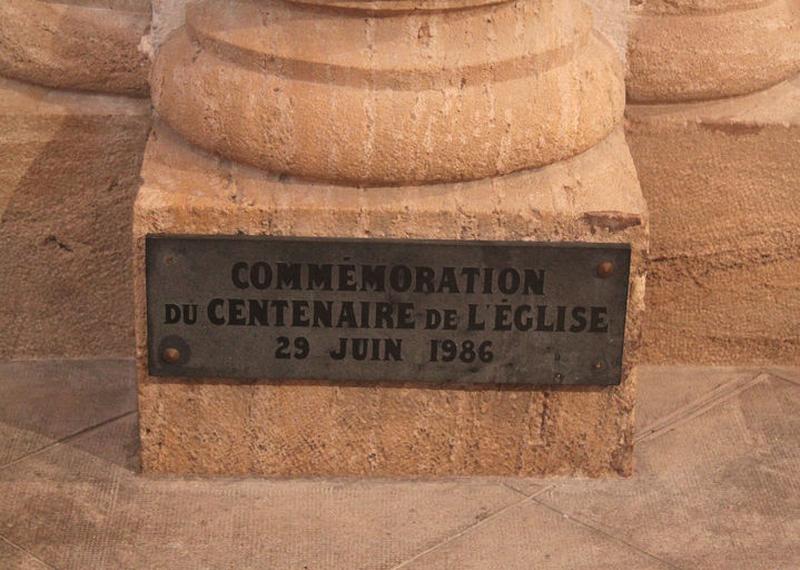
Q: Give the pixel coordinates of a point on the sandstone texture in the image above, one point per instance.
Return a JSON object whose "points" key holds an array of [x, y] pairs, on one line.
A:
{"points": [[395, 119], [713, 130], [315, 428], [722, 179], [610, 19], [76, 44], [69, 170], [421, 97], [690, 50], [73, 124]]}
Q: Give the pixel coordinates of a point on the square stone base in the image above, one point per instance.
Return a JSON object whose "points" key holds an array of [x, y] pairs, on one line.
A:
{"points": [[69, 171], [218, 426], [722, 180]]}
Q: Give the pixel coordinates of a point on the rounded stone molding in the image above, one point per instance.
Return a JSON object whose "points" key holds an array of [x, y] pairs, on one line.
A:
{"points": [[89, 45], [399, 5], [694, 7], [706, 49], [325, 93]]}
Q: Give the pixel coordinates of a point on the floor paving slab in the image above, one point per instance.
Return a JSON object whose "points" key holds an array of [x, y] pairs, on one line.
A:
{"points": [[664, 390], [528, 486], [13, 558], [531, 536], [717, 492], [790, 373], [716, 487], [81, 505], [42, 402]]}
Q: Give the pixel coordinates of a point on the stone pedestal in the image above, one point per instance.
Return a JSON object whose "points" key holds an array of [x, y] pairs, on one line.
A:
{"points": [[720, 173], [69, 165], [468, 120]]}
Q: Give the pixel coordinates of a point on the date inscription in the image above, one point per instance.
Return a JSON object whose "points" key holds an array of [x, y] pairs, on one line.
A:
{"points": [[394, 311]]}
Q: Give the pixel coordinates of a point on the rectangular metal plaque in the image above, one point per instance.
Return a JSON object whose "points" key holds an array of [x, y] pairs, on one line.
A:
{"points": [[386, 310]]}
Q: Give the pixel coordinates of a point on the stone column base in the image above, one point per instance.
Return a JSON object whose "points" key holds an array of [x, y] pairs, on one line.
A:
{"points": [[722, 179], [319, 428], [69, 166]]}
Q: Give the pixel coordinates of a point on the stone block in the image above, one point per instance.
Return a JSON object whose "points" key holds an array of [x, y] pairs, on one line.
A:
{"points": [[218, 426], [69, 170], [722, 181]]}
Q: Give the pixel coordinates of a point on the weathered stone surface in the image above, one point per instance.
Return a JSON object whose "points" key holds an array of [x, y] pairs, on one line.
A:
{"points": [[530, 535], [390, 6], [69, 167], [722, 180], [705, 49], [353, 110], [399, 99], [320, 428], [76, 44], [734, 505], [665, 390], [14, 558], [78, 505], [718, 491], [610, 19], [46, 401]]}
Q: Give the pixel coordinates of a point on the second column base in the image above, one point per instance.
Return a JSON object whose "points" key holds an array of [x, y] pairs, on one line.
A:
{"points": [[722, 180]]}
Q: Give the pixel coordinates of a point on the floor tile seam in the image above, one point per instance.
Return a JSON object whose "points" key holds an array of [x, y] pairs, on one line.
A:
{"points": [[16, 546], [718, 392], [525, 498], [700, 410], [779, 376], [66, 439], [547, 487], [698, 407], [598, 529]]}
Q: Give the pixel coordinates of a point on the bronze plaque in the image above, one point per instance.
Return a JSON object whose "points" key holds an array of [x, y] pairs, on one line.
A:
{"points": [[386, 311]]}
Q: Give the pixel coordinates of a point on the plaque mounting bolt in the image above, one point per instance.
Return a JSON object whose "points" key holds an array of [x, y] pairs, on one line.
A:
{"points": [[598, 365], [171, 355], [605, 269]]}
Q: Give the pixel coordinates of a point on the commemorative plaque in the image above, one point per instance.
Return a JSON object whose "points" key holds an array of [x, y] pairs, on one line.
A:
{"points": [[386, 311]]}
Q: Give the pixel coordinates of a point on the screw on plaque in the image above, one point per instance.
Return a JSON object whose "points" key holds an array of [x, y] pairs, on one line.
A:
{"points": [[605, 269], [558, 377], [598, 365], [171, 355]]}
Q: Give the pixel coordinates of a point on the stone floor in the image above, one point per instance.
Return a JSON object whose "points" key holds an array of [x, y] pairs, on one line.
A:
{"points": [[717, 486]]}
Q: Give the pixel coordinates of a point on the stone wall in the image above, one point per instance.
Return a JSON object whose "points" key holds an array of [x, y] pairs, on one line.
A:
{"points": [[611, 20], [74, 116]]}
